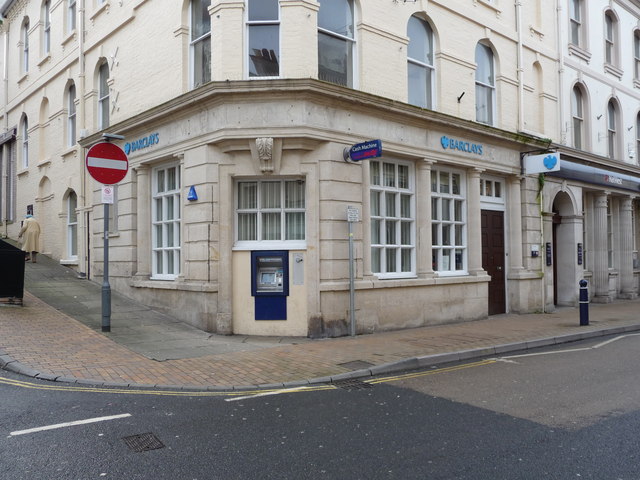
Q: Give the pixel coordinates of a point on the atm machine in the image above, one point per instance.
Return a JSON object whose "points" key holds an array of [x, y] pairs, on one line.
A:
{"points": [[270, 284]]}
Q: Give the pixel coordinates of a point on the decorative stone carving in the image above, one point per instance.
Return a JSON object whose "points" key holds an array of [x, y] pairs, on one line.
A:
{"points": [[264, 147]]}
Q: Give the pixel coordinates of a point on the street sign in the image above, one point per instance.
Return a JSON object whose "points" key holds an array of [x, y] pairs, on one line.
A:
{"points": [[353, 214], [362, 151], [107, 194], [107, 163]]}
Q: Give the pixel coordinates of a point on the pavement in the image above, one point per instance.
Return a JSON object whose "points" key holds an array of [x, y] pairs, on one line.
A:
{"points": [[56, 335]]}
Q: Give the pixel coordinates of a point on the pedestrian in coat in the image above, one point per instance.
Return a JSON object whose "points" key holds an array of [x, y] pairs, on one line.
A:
{"points": [[30, 244]]}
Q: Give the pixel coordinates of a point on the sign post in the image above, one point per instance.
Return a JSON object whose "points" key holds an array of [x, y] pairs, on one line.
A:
{"points": [[353, 215], [107, 164]]}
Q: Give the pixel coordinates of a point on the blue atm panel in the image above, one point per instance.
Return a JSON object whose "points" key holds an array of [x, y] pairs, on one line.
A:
{"points": [[270, 284]]}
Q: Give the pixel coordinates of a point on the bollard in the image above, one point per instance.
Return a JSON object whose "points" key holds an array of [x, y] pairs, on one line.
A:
{"points": [[584, 303]]}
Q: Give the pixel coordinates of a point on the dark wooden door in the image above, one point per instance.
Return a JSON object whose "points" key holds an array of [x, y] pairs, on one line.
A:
{"points": [[493, 258]]}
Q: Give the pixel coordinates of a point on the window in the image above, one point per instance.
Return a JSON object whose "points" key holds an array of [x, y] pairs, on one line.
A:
{"points": [[448, 222], [24, 131], [72, 225], [612, 114], [71, 16], [25, 46], [336, 42], [166, 222], [609, 40], [575, 21], [71, 116], [636, 55], [46, 17], [420, 63], [8, 157], [200, 44], [485, 85], [392, 197], [270, 210], [103, 96], [577, 116], [263, 26]]}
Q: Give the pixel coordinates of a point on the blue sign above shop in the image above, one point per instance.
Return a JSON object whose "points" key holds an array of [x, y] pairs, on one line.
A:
{"points": [[141, 143], [596, 176], [460, 145], [363, 151]]}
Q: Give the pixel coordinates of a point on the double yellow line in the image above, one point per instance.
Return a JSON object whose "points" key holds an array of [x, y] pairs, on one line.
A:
{"points": [[245, 393]]}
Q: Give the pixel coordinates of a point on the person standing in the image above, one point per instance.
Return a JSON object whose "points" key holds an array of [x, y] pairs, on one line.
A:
{"points": [[31, 231]]}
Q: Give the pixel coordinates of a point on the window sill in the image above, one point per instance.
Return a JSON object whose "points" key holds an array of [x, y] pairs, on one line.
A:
{"points": [[490, 5], [71, 36], [24, 171], [70, 262], [284, 245], [23, 77], [174, 285], [101, 8], [579, 52], [45, 162], [613, 70], [44, 59], [71, 151]]}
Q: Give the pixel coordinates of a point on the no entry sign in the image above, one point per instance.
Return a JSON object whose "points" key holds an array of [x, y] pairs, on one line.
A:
{"points": [[107, 163]]}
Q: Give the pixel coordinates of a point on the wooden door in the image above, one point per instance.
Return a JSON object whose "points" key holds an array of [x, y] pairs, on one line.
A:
{"points": [[493, 258]]}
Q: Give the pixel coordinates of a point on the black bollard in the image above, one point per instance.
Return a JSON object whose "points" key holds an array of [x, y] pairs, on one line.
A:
{"points": [[584, 303]]}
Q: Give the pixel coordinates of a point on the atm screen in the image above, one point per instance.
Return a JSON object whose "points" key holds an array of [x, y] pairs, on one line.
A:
{"points": [[268, 278]]}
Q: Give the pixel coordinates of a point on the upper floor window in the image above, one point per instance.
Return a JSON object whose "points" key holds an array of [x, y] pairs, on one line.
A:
{"points": [[71, 16], [636, 55], [577, 117], [24, 131], [610, 29], [46, 19], [103, 96], [612, 129], [336, 42], [485, 85], [25, 46], [263, 24], [200, 43], [71, 115], [420, 63], [575, 20]]}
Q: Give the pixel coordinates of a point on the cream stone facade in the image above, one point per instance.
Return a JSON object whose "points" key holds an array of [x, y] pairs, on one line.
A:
{"points": [[236, 116]]}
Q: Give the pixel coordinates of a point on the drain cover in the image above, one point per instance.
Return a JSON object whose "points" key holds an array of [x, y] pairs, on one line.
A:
{"points": [[352, 384], [143, 442]]}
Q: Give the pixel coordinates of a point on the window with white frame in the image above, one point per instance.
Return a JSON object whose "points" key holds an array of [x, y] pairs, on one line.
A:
{"points": [[25, 46], [420, 63], [612, 133], [72, 225], [263, 25], [491, 190], [166, 222], [448, 222], [392, 212], [270, 211], [336, 42], [8, 157], [71, 16], [200, 42], [103, 96], [46, 20], [485, 85], [577, 117], [575, 21], [610, 26], [636, 55], [71, 115], [24, 131]]}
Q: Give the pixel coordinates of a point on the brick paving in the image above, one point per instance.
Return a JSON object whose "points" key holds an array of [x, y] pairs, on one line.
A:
{"points": [[54, 344]]}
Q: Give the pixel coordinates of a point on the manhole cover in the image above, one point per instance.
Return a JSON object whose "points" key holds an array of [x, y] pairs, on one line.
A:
{"points": [[352, 384], [356, 364], [143, 442]]}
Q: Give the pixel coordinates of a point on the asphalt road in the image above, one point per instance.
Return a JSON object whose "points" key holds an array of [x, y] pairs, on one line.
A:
{"points": [[563, 415]]}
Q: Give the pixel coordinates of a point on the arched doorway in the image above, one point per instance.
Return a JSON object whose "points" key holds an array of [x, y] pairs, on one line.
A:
{"points": [[567, 233]]}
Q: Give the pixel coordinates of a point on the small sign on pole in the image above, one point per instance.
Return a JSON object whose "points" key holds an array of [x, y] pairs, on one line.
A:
{"points": [[107, 194]]}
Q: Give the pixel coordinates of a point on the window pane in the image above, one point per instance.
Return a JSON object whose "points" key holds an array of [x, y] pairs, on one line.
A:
{"points": [[392, 255], [403, 176], [458, 239], [420, 41], [271, 226], [390, 232], [375, 232], [171, 178], [444, 182], [247, 226], [435, 209], [405, 206], [446, 209], [160, 186], [446, 234], [170, 262], [375, 203], [484, 65], [294, 195], [390, 204], [456, 183], [435, 237], [159, 216], [459, 265], [457, 205], [419, 86], [264, 50], [375, 173], [169, 208], [263, 10], [389, 175], [375, 260], [159, 236], [159, 262], [334, 59], [270, 195], [336, 16], [202, 61], [294, 228], [200, 18], [169, 235], [406, 260], [247, 195], [484, 104], [405, 233]]}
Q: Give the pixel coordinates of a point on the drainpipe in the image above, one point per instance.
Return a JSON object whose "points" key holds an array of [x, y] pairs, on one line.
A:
{"points": [[561, 91], [82, 126], [5, 101], [520, 67]]}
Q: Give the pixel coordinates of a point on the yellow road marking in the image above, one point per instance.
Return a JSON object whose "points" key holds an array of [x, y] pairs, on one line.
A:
{"points": [[244, 393]]}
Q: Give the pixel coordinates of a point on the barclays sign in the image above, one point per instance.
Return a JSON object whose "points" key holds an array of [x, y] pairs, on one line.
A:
{"points": [[141, 143], [466, 147]]}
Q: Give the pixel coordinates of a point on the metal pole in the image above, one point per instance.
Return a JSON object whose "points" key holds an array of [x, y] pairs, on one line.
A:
{"points": [[106, 288], [352, 317], [584, 303]]}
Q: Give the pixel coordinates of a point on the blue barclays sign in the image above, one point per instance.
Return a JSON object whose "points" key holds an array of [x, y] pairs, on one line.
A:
{"points": [[466, 147], [141, 143]]}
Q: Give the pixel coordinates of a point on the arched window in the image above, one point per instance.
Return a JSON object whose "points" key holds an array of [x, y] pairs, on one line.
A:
{"points": [[577, 117], [336, 42], [72, 225], [612, 129], [24, 131], [420, 63], [25, 46], [485, 85], [263, 25], [46, 20], [610, 37], [200, 43], [103, 96], [71, 115]]}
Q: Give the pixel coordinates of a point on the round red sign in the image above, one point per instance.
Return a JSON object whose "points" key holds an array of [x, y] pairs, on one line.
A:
{"points": [[107, 163]]}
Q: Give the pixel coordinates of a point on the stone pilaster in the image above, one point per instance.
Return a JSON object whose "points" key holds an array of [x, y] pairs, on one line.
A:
{"points": [[474, 222], [626, 249], [600, 251]]}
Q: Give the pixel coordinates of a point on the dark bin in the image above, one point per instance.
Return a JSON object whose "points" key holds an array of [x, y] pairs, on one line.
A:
{"points": [[11, 274]]}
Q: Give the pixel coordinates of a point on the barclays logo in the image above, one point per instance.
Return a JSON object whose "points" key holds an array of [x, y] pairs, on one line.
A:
{"points": [[141, 143], [466, 147], [550, 161]]}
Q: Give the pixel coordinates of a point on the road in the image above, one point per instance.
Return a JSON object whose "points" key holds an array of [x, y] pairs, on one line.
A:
{"points": [[566, 413]]}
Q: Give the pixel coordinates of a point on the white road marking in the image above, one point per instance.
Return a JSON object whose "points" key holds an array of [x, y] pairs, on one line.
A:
{"points": [[69, 424], [266, 394]]}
